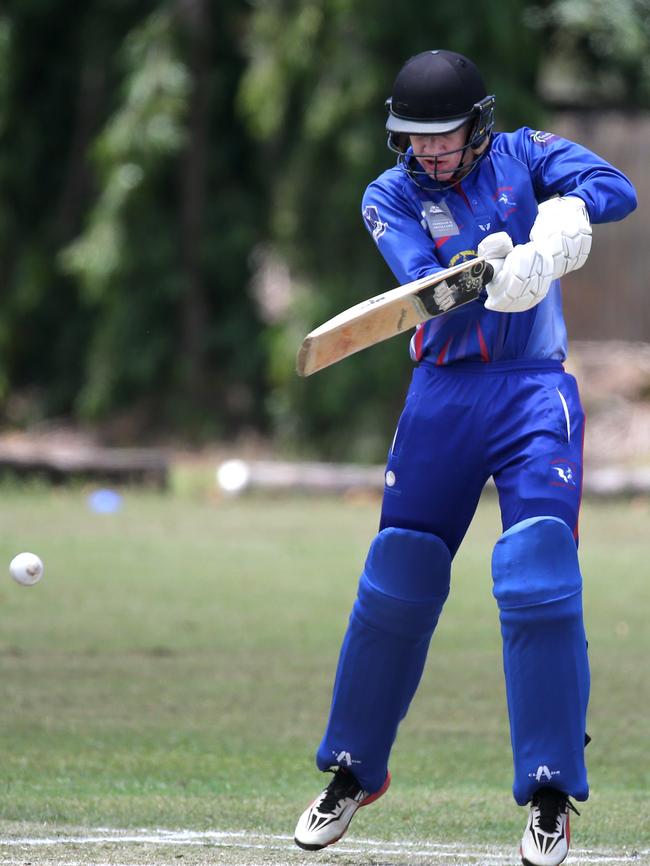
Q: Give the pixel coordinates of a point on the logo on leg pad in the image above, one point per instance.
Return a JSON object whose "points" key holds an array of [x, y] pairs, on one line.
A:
{"points": [[543, 772], [344, 758]]}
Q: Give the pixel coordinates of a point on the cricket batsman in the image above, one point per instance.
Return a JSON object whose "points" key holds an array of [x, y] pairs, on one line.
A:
{"points": [[489, 396]]}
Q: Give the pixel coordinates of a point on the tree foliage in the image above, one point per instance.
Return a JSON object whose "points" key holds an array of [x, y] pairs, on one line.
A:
{"points": [[597, 51], [127, 220], [180, 197]]}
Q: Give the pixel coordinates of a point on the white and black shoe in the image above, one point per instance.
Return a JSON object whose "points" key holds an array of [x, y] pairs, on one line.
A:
{"points": [[547, 835], [328, 817]]}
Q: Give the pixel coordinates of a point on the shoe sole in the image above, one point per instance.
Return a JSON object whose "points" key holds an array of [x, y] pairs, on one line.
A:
{"points": [[371, 799], [530, 862]]}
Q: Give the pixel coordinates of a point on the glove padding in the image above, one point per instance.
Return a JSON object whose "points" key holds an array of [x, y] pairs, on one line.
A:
{"points": [[563, 231], [523, 274], [495, 248]]}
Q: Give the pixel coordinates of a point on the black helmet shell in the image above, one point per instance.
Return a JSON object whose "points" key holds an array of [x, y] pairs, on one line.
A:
{"points": [[434, 92]]}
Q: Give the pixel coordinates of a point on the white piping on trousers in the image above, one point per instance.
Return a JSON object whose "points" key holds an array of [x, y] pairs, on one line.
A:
{"points": [[392, 445], [566, 414]]}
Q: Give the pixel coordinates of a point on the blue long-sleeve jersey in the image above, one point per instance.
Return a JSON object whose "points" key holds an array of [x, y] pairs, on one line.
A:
{"points": [[419, 229]]}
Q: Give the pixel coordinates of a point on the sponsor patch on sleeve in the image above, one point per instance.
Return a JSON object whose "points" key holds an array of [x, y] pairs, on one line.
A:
{"points": [[543, 138]]}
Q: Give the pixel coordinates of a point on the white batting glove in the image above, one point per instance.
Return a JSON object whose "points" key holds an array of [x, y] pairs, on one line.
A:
{"points": [[563, 231], [523, 280], [495, 248]]}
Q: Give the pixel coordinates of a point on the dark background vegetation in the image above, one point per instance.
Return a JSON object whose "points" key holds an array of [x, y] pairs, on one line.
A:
{"points": [[179, 199]]}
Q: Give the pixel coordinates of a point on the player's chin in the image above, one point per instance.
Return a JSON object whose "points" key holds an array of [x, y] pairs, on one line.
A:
{"points": [[441, 172]]}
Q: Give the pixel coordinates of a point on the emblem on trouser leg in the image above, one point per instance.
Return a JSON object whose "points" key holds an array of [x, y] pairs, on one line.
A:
{"points": [[543, 773], [563, 474]]}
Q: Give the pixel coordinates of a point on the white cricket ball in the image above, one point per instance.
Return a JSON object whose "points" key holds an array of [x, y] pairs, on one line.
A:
{"points": [[26, 568]]}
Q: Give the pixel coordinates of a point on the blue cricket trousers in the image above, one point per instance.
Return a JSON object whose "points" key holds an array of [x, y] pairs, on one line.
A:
{"points": [[520, 422]]}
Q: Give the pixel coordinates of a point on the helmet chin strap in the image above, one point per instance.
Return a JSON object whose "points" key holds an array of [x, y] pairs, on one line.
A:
{"points": [[416, 176], [461, 172]]}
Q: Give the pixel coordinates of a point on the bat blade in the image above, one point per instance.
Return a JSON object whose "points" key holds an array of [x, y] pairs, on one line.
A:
{"points": [[392, 313]]}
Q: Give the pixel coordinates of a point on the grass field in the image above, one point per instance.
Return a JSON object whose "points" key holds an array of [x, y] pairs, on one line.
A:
{"points": [[173, 670]]}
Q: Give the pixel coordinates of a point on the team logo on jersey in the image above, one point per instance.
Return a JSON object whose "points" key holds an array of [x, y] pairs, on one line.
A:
{"points": [[504, 198], [374, 223], [462, 256], [563, 474], [543, 138]]}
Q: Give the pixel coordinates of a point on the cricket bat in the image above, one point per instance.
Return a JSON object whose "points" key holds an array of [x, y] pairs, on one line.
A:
{"points": [[392, 313]]}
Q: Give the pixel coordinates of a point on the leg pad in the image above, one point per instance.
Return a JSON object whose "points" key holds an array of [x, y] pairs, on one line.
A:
{"points": [[535, 563], [404, 583], [538, 587], [401, 592]]}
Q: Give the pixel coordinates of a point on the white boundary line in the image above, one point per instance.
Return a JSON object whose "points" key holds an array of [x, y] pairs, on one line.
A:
{"points": [[242, 840]]}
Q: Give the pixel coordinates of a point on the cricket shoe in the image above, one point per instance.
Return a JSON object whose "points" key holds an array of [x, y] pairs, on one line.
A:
{"points": [[547, 835], [328, 817]]}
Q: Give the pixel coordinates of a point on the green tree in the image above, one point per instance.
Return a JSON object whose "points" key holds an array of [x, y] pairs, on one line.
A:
{"points": [[129, 210], [180, 185], [598, 52]]}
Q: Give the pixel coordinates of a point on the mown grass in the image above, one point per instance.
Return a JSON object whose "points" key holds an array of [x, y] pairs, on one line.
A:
{"points": [[174, 669]]}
